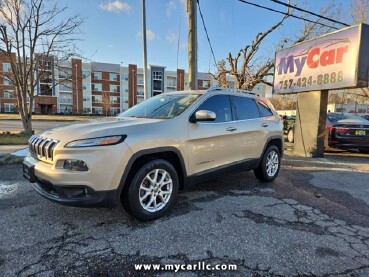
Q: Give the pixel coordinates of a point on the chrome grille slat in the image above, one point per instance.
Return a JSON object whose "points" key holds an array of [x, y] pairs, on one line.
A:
{"points": [[42, 148]]}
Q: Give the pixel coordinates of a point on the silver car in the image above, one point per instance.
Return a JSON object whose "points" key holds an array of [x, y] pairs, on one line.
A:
{"points": [[145, 155]]}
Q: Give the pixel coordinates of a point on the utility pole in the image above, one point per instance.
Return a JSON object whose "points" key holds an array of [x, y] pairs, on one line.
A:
{"points": [[192, 43], [144, 48]]}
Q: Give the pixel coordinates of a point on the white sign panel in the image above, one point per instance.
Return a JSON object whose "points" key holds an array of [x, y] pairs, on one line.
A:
{"points": [[328, 62]]}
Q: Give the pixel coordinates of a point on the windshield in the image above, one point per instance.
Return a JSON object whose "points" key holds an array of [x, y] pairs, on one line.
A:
{"points": [[163, 106]]}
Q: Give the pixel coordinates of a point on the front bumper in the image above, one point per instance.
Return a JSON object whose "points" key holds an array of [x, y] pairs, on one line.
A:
{"points": [[349, 142], [96, 187], [76, 196]]}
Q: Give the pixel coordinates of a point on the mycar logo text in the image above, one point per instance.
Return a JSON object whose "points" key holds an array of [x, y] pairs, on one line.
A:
{"points": [[324, 54]]}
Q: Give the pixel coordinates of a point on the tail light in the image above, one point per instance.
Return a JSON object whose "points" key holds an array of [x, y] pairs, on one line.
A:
{"points": [[341, 130]]}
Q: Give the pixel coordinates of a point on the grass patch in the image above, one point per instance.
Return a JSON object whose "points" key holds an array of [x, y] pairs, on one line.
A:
{"points": [[7, 138]]}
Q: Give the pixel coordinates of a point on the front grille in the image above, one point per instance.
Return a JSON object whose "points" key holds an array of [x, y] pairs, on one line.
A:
{"points": [[42, 148]]}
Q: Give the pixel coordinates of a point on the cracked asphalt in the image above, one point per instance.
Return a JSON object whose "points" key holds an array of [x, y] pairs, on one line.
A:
{"points": [[312, 221]]}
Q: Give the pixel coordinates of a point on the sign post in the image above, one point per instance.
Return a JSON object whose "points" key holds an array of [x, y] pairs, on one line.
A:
{"points": [[334, 61]]}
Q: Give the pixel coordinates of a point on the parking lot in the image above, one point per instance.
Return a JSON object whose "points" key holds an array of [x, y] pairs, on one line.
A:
{"points": [[312, 221]]}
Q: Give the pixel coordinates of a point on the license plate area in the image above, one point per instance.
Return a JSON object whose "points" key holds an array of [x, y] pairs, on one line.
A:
{"points": [[29, 172], [360, 132]]}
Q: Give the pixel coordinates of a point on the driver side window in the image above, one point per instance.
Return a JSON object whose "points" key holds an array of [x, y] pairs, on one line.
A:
{"points": [[220, 105]]}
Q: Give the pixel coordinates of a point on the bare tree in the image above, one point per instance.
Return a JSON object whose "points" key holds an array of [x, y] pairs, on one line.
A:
{"points": [[106, 103], [249, 68], [31, 33], [359, 11]]}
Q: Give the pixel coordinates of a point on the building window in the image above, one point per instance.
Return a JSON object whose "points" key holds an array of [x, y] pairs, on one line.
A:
{"points": [[205, 84], [97, 99], [86, 98], [8, 94], [97, 87], [86, 74], [7, 67], [361, 110], [98, 110], [63, 75], [341, 110], [7, 81], [65, 88], [113, 111], [124, 77], [65, 100], [86, 110], [113, 77], [66, 109], [8, 108], [114, 99], [45, 65], [157, 75], [97, 75], [86, 86], [113, 88], [46, 90]]}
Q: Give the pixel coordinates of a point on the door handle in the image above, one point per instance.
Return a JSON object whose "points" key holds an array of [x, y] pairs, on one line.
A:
{"points": [[264, 125], [231, 129]]}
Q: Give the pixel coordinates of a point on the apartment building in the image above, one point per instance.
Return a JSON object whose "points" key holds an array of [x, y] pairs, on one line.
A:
{"points": [[75, 87], [8, 102]]}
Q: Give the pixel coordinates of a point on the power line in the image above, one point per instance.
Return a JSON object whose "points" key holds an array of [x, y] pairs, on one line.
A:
{"points": [[206, 31], [309, 12], [291, 15]]}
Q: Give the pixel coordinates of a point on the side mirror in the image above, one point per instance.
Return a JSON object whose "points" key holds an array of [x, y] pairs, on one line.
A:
{"points": [[203, 115]]}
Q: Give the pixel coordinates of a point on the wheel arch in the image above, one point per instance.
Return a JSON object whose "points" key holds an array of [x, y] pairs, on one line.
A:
{"points": [[170, 154]]}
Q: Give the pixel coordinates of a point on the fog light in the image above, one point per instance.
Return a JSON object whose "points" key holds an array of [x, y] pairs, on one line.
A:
{"points": [[75, 165]]}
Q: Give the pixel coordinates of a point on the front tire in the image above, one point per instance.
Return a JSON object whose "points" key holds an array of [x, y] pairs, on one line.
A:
{"points": [[152, 190], [270, 164]]}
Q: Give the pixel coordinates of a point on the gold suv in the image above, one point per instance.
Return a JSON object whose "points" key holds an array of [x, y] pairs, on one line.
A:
{"points": [[145, 155]]}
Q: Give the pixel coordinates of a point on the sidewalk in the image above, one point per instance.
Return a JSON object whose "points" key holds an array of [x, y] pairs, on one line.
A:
{"points": [[8, 149], [12, 154]]}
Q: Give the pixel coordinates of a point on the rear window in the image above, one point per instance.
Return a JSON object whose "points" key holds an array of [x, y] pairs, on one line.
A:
{"points": [[264, 109], [337, 117], [246, 108]]}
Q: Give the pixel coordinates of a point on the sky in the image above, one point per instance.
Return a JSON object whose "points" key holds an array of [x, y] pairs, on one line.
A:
{"points": [[112, 29]]}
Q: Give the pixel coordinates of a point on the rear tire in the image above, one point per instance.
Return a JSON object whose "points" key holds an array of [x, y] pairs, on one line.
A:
{"points": [[152, 190], [270, 164], [290, 135]]}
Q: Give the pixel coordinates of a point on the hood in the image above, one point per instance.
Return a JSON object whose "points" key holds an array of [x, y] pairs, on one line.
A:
{"points": [[94, 128]]}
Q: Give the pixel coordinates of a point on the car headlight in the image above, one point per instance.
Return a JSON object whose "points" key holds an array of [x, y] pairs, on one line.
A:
{"points": [[101, 141]]}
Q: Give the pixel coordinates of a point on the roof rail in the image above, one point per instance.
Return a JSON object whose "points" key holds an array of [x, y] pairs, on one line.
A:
{"points": [[214, 88]]}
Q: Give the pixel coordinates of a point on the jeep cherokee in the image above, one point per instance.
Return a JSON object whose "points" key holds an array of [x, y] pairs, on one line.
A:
{"points": [[142, 157]]}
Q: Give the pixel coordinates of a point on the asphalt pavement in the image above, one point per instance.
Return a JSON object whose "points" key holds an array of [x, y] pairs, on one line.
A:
{"points": [[313, 220]]}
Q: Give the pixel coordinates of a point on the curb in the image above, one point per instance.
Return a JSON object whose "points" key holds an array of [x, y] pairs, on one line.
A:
{"points": [[10, 159]]}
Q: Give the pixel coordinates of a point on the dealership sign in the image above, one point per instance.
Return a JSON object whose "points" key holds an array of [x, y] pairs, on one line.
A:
{"points": [[333, 61]]}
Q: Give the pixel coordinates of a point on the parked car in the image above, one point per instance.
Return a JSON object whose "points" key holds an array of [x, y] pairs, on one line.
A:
{"points": [[344, 131], [348, 131], [365, 116], [145, 155]]}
